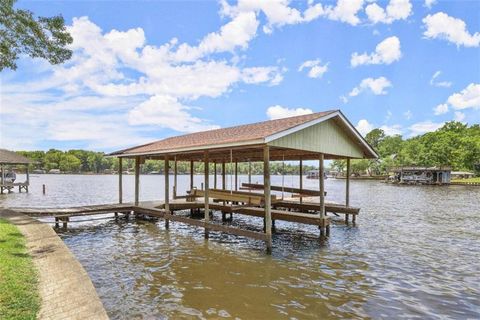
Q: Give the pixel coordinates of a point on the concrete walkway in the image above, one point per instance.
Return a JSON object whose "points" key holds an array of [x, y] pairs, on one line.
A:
{"points": [[65, 288]]}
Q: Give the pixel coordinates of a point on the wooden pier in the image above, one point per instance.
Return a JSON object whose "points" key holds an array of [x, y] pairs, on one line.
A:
{"points": [[177, 212]]}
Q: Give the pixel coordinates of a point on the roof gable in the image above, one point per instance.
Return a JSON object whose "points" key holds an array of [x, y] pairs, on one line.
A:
{"points": [[248, 133]]}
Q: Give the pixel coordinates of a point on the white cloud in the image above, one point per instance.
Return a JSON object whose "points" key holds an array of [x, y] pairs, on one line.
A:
{"points": [[316, 69], [395, 10], [277, 12], [467, 98], [386, 52], [434, 82], [430, 3], [345, 11], [423, 127], [376, 86], [392, 130], [167, 112], [459, 116], [116, 82], [408, 114], [236, 33], [441, 26], [441, 109], [364, 127], [255, 75], [277, 112]]}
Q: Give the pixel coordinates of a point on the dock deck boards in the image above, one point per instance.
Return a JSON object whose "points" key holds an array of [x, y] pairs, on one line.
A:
{"points": [[156, 209]]}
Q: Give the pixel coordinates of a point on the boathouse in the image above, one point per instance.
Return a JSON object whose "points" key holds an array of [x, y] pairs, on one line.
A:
{"points": [[8, 162], [422, 175], [317, 136]]}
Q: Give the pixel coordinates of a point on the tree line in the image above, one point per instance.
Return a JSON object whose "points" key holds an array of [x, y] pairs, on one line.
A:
{"points": [[83, 161], [454, 144]]}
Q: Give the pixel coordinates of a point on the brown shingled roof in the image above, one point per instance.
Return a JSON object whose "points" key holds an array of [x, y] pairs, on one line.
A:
{"points": [[10, 157], [238, 134]]}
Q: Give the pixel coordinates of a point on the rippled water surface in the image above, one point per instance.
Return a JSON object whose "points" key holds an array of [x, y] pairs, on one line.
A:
{"points": [[414, 253]]}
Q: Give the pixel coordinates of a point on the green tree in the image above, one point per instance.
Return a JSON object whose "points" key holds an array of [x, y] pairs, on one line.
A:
{"points": [[22, 33], [69, 163], [52, 159], [374, 137]]}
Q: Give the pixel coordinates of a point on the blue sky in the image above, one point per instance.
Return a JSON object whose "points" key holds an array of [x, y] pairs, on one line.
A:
{"points": [[142, 71]]}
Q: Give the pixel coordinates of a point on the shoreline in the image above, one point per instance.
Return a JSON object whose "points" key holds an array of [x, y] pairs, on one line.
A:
{"points": [[66, 291]]}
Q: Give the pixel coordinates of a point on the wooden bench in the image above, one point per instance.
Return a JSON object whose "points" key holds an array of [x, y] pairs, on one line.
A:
{"points": [[301, 192], [249, 198]]}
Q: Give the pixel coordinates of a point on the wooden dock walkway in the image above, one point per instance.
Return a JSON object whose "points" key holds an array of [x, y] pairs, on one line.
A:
{"points": [[284, 210]]}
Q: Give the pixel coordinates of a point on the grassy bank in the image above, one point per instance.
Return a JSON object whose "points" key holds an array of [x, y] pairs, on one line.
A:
{"points": [[19, 297], [477, 180]]}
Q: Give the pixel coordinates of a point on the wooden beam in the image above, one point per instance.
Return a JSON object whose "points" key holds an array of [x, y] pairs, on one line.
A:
{"points": [[301, 179], [175, 178], [206, 196], [191, 175], [137, 179], [268, 207], [120, 180], [224, 186], [28, 179], [215, 175], [321, 180], [304, 192], [167, 191], [347, 189], [347, 185], [236, 176]]}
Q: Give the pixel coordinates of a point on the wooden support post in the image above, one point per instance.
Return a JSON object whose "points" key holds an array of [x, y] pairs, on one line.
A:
{"points": [[167, 190], [249, 171], [137, 179], [28, 179], [175, 178], [3, 177], [321, 179], [301, 180], [215, 175], [57, 222], [43, 187], [120, 180], [191, 175], [65, 220], [347, 189], [207, 200], [236, 176], [224, 185], [268, 205]]}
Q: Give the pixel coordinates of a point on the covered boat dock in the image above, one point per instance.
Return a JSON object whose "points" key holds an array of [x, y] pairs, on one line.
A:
{"points": [[317, 136], [8, 180]]}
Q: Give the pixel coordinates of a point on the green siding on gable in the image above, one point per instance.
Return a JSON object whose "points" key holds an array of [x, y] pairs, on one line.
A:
{"points": [[325, 137]]}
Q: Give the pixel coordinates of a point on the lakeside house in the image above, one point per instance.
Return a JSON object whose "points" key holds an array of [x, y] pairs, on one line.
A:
{"points": [[462, 175], [421, 175]]}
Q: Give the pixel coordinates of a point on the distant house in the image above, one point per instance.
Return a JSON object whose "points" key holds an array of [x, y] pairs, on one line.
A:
{"points": [[421, 175], [54, 171], [314, 174], [462, 174]]}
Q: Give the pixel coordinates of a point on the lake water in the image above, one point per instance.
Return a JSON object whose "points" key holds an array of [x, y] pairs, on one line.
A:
{"points": [[414, 253]]}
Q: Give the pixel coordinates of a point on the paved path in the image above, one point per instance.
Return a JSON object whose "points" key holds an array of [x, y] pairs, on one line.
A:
{"points": [[65, 287]]}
